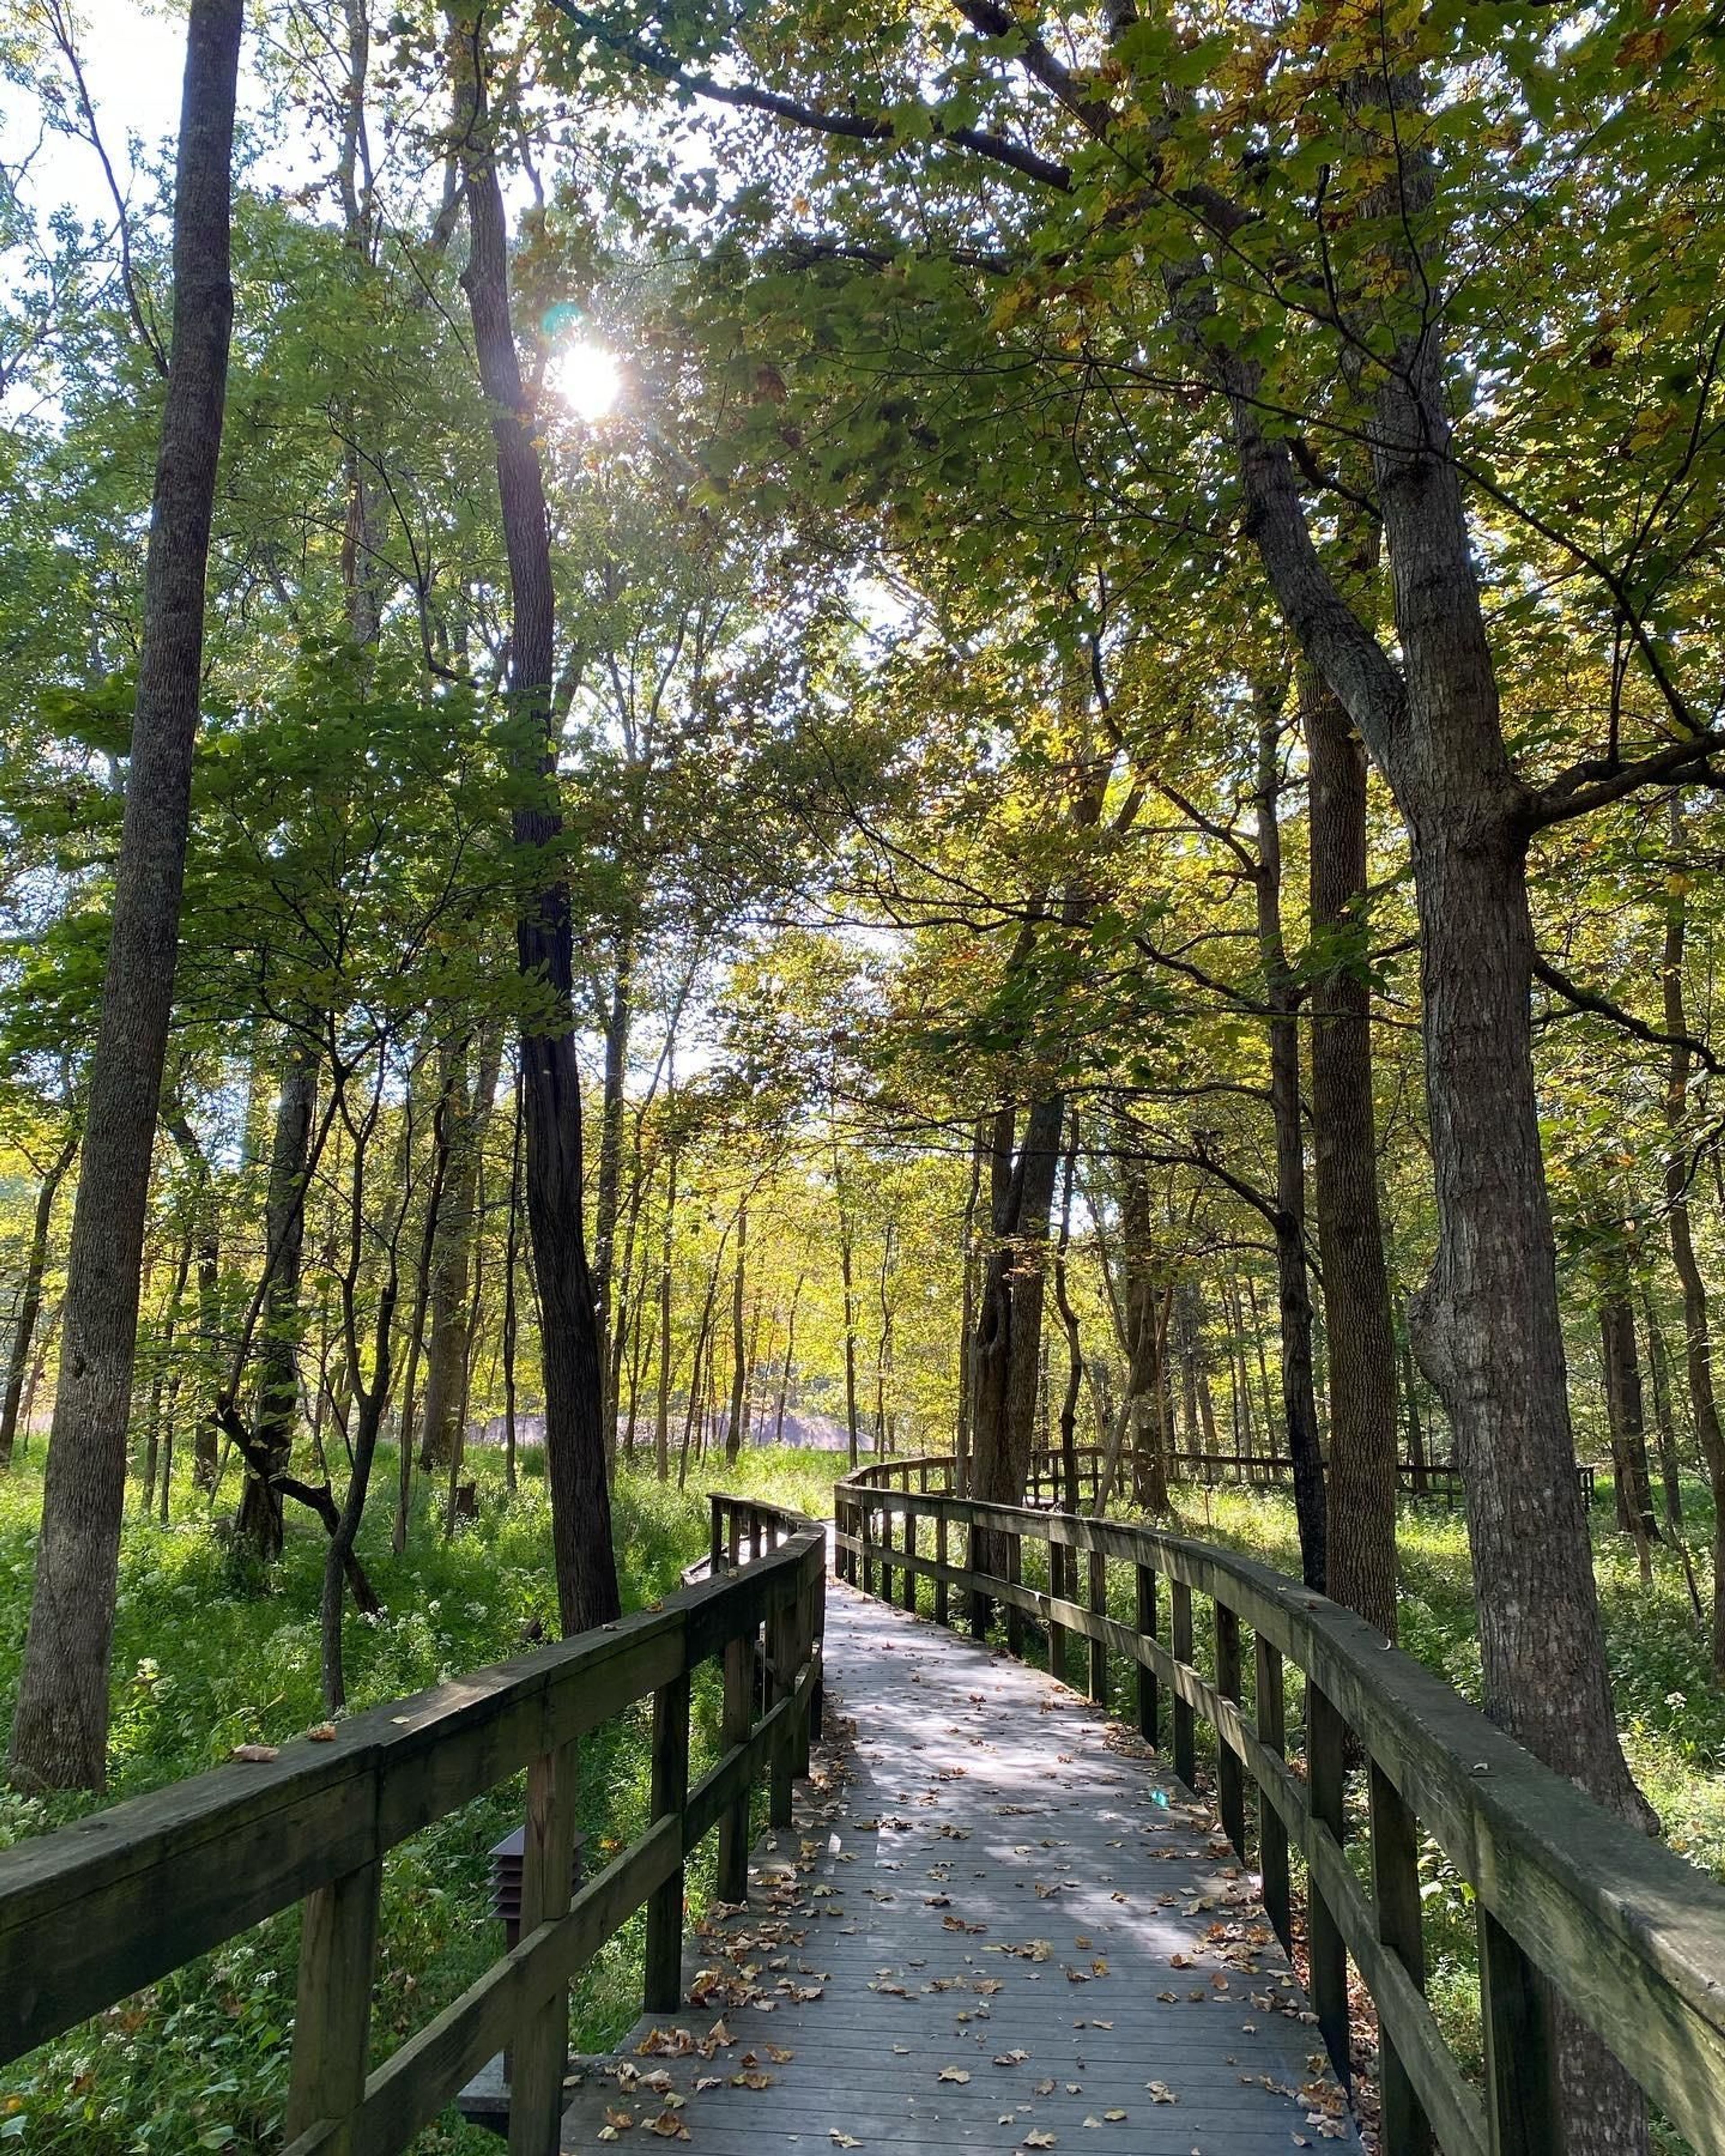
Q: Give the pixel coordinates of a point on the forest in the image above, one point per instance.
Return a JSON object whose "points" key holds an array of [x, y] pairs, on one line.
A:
{"points": [[740, 740]]}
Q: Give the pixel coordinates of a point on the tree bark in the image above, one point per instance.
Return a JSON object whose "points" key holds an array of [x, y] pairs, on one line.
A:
{"points": [[59, 1732], [1360, 1330], [739, 1346], [1697, 1330], [451, 1342], [1670, 1473], [30, 1301], [1299, 1404], [1009, 1328], [571, 1348], [258, 1521]]}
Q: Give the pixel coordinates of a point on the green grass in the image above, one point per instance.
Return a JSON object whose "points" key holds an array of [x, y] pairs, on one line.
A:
{"points": [[207, 1656]]}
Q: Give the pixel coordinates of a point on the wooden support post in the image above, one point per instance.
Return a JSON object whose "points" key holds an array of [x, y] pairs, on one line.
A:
{"points": [[885, 1548], [542, 2041], [1099, 1648], [734, 1539], [1395, 1893], [716, 1548], [978, 1600], [866, 1535], [781, 1660], [663, 1986], [1326, 1762], [910, 1593], [1185, 1747], [1015, 1616], [1149, 1699], [1230, 1768], [941, 1598], [805, 1630], [735, 1720], [1521, 2075], [1272, 1832], [1057, 1564], [332, 2020]]}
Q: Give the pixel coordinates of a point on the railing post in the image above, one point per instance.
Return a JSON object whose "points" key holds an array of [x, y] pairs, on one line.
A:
{"points": [[663, 1986], [886, 1545], [542, 2042], [1149, 1697], [1099, 1648], [978, 1599], [1395, 1894], [735, 1720], [1057, 1563], [1185, 1748], [1230, 1769], [781, 1659], [1326, 1764], [865, 1535], [910, 1590], [332, 2020], [716, 1547], [1272, 1830], [940, 1559], [1521, 2092], [1015, 1616]]}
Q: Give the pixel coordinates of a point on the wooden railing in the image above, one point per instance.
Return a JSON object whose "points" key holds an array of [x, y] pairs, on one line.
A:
{"points": [[92, 1913], [1439, 1479], [1632, 1937]]}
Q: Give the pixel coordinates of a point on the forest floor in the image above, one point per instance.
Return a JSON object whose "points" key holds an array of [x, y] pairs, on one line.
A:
{"points": [[207, 1656]]}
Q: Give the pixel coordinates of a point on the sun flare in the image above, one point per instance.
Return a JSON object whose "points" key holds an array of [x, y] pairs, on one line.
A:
{"points": [[588, 378]]}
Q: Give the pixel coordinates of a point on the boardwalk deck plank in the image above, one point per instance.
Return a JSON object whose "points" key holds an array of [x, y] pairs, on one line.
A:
{"points": [[1114, 1942]]}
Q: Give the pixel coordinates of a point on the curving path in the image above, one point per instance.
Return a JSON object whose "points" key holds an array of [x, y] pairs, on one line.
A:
{"points": [[998, 1925]]}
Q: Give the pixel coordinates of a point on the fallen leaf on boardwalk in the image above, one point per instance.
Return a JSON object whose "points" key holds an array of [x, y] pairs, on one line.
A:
{"points": [[1115, 2118], [1041, 2138], [1167, 1997], [845, 2140], [779, 2056], [1099, 1966], [1014, 2058], [1101, 2025], [703, 2083], [752, 2081], [1043, 2088], [953, 2074], [1160, 2092], [324, 1733], [669, 2126], [1179, 1961], [256, 1755], [606, 2134], [622, 2120]]}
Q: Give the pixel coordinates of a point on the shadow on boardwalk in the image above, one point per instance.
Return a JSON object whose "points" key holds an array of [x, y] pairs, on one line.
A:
{"points": [[996, 1926]]}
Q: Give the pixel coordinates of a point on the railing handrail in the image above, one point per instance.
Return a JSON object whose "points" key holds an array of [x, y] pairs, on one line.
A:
{"points": [[95, 1910], [1631, 1935]]}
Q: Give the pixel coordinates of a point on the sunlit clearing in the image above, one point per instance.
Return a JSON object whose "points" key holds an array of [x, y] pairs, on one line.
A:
{"points": [[588, 378]]}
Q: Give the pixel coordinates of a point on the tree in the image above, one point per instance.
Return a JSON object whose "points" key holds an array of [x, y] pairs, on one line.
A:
{"points": [[60, 1735]]}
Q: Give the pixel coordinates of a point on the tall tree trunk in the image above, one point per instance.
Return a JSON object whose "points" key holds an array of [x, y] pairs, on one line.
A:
{"points": [[60, 1730], [1670, 1472], [29, 1300], [258, 1521], [1360, 1331], [847, 1276], [1299, 1404], [1008, 1348], [790, 1359], [661, 1417], [570, 1346], [1697, 1331], [967, 1322], [1628, 1429], [458, 1221], [610, 1177], [739, 1346]]}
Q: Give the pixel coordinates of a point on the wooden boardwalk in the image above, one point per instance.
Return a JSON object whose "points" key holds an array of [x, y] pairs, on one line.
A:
{"points": [[996, 1925]]}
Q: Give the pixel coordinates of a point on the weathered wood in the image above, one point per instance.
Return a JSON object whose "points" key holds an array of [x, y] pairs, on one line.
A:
{"points": [[782, 1658], [1185, 1733], [735, 1718], [662, 1984], [1271, 1710], [940, 1588], [909, 1579], [1149, 1715], [1520, 2065], [541, 2039], [1014, 1607], [1098, 1647], [332, 2016], [1230, 1780], [1396, 1892], [1326, 1770]]}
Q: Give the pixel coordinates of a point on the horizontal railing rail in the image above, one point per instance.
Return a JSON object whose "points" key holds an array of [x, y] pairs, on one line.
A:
{"points": [[1569, 1900], [1047, 1482], [92, 1913]]}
